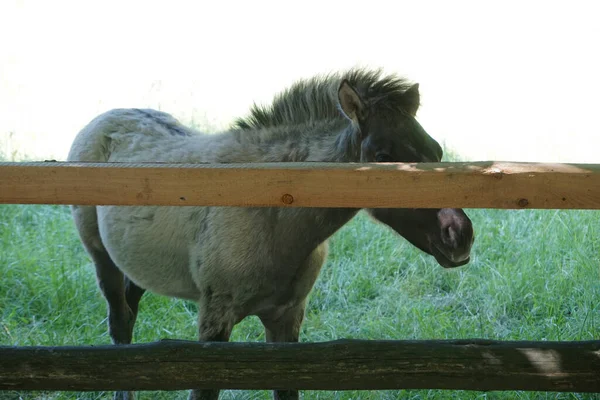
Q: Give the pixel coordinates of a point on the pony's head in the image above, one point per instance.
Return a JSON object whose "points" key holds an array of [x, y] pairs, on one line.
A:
{"points": [[385, 129]]}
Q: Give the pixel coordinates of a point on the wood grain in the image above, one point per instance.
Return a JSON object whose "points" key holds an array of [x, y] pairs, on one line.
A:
{"points": [[427, 185], [337, 365]]}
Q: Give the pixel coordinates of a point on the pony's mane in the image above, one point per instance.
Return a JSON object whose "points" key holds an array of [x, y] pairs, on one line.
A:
{"points": [[316, 99]]}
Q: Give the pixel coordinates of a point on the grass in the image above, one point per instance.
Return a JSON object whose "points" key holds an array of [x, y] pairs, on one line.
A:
{"points": [[534, 275]]}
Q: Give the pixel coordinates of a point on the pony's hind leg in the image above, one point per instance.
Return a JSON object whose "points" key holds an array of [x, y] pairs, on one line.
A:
{"points": [[122, 296], [133, 295], [285, 328]]}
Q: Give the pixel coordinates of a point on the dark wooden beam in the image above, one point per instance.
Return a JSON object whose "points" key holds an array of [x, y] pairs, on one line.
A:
{"points": [[338, 365]]}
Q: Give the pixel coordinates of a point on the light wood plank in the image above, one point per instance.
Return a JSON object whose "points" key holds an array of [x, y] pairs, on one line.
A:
{"points": [[431, 185]]}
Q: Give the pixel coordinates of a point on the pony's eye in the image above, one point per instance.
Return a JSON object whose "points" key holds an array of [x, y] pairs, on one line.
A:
{"points": [[383, 158]]}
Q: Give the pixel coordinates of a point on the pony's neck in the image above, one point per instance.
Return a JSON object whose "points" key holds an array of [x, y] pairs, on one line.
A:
{"points": [[333, 144], [325, 141], [345, 146], [313, 226]]}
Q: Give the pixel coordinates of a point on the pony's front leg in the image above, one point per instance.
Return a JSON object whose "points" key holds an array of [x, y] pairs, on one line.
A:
{"points": [[284, 329], [213, 326]]}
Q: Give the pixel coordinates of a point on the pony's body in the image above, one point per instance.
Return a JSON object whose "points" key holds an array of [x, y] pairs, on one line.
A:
{"points": [[180, 251], [237, 262]]}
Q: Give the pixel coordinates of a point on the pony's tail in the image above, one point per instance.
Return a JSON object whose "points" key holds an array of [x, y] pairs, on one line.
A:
{"points": [[92, 143]]}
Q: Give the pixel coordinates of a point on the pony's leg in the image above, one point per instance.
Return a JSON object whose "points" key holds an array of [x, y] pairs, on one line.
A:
{"points": [[284, 329], [133, 295], [214, 325], [122, 296], [118, 291], [114, 285]]}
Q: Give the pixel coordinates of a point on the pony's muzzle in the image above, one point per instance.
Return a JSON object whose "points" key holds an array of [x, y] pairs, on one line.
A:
{"points": [[456, 238]]}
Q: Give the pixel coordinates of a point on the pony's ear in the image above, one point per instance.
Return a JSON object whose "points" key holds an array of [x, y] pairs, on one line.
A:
{"points": [[351, 103], [412, 99]]}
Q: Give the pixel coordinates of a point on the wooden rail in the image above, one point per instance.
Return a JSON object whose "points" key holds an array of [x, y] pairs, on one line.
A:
{"points": [[338, 365], [436, 185]]}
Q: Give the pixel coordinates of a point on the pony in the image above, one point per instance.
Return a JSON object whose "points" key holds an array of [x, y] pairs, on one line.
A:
{"points": [[241, 261]]}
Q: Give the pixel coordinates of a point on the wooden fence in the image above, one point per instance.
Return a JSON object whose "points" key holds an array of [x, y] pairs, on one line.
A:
{"points": [[339, 365]]}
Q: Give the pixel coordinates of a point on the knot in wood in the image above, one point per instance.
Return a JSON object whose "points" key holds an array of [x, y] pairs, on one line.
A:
{"points": [[523, 202], [287, 198]]}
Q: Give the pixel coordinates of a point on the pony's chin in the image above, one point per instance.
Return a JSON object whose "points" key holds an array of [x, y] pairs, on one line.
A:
{"points": [[451, 264], [446, 262]]}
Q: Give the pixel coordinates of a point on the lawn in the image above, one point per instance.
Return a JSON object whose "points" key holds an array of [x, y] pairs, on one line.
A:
{"points": [[534, 275]]}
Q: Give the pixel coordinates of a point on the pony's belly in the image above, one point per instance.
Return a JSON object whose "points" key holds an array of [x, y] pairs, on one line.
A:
{"points": [[155, 273], [150, 247]]}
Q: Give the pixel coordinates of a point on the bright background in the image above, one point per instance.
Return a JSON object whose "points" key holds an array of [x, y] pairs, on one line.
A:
{"points": [[503, 80]]}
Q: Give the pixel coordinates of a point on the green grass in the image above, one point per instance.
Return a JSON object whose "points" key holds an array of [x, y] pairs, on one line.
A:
{"points": [[534, 275]]}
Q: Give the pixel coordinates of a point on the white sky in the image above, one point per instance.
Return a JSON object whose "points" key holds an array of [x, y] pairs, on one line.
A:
{"points": [[504, 80]]}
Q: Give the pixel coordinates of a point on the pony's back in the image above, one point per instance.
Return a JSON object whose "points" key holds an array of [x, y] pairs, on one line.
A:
{"points": [[137, 135]]}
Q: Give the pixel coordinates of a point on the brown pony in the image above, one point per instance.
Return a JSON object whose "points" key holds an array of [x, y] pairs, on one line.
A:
{"points": [[236, 262]]}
